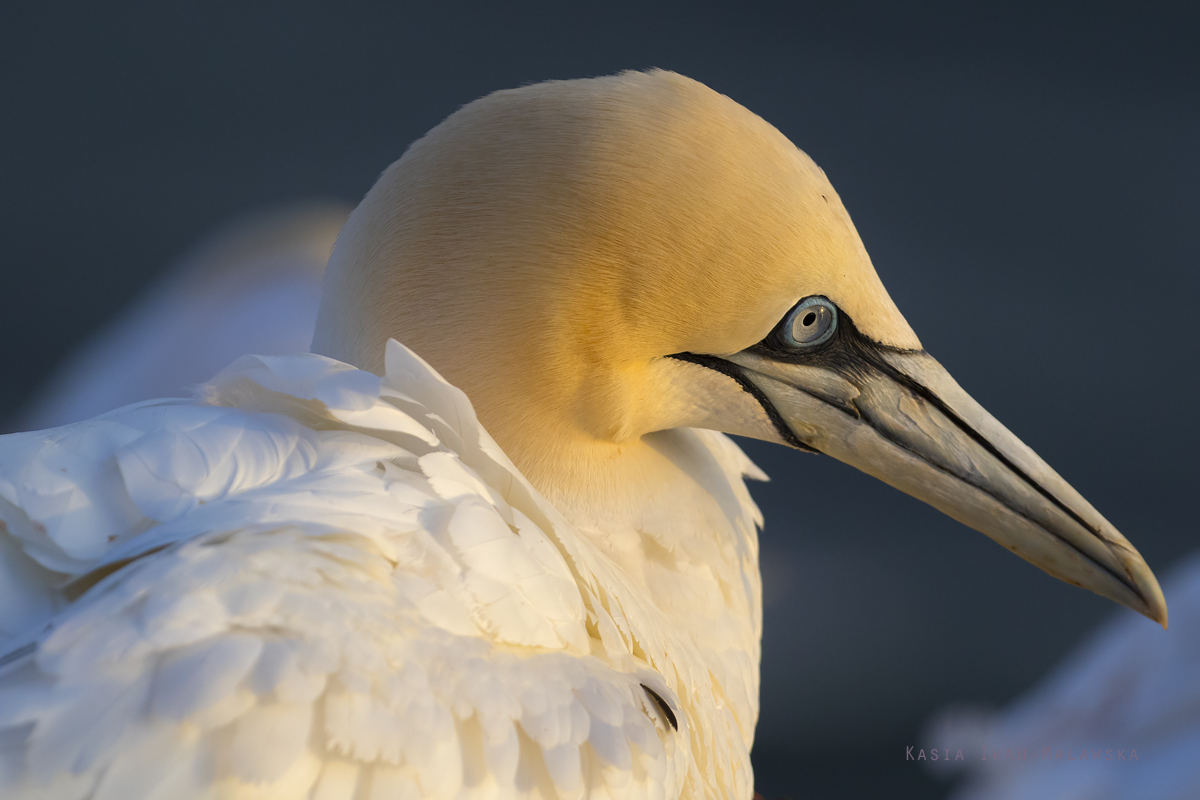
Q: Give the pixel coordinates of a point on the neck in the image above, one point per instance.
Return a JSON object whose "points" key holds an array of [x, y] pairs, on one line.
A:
{"points": [[672, 513]]}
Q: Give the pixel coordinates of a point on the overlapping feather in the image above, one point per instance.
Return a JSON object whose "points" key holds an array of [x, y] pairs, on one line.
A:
{"points": [[315, 582]]}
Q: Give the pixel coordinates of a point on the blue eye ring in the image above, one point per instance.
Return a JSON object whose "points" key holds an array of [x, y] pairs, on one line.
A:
{"points": [[811, 323]]}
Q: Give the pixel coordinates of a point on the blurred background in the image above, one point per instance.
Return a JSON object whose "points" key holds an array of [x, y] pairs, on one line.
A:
{"points": [[1027, 181]]}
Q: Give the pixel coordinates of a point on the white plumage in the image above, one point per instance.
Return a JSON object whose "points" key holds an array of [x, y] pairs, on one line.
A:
{"points": [[353, 592]]}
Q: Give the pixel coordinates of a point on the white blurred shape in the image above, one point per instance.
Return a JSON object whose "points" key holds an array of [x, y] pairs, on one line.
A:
{"points": [[252, 287], [1130, 687]]}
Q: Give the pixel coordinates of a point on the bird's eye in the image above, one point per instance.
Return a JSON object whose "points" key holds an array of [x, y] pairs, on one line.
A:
{"points": [[810, 323]]}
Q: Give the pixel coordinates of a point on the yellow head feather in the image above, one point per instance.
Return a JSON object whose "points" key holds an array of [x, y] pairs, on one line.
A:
{"points": [[543, 246]]}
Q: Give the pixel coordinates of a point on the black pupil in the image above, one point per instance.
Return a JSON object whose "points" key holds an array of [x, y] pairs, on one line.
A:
{"points": [[810, 318]]}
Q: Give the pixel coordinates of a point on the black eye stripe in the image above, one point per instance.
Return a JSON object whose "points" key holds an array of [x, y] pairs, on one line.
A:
{"points": [[731, 370]]}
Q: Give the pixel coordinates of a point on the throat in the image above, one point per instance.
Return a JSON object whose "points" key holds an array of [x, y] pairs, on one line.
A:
{"points": [[683, 488], [671, 511]]}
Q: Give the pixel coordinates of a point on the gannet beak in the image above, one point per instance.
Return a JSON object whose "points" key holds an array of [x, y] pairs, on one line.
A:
{"points": [[898, 415]]}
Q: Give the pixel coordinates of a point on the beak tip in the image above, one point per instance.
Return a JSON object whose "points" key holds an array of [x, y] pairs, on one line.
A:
{"points": [[1154, 604], [1159, 615], [1154, 611], [1159, 610]]}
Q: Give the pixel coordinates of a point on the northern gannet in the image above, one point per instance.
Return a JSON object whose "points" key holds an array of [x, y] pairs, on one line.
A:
{"points": [[322, 577]]}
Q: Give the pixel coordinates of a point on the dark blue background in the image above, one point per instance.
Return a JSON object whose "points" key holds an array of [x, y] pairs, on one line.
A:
{"points": [[1026, 181]]}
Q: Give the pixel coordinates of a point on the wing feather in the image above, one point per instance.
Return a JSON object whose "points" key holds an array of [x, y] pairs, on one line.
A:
{"points": [[315, 583]]}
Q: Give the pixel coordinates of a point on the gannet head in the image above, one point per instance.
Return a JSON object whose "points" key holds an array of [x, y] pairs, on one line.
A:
{"points": [[595, 260]]}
